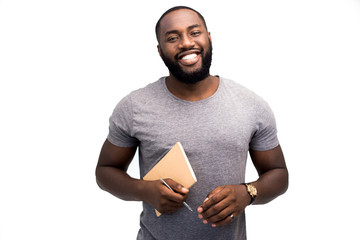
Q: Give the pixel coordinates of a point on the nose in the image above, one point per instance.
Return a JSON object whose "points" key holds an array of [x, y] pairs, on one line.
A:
{"points": [[186, 42]]}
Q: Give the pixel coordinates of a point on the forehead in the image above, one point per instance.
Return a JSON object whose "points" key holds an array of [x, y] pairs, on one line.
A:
{"points": [[179, 20]]}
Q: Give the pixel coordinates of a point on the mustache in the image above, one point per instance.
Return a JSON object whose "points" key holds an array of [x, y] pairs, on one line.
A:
{"points": [[177, 56]]}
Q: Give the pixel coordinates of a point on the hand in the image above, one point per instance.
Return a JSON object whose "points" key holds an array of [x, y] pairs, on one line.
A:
{"points": [[222, 202], [163, 199]]}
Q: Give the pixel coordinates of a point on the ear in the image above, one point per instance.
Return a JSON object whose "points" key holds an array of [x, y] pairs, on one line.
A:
{"points": [[158, 47], [210, 37]]}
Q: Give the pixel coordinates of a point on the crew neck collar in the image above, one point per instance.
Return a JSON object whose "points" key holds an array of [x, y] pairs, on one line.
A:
{"points": [[163, 82]]}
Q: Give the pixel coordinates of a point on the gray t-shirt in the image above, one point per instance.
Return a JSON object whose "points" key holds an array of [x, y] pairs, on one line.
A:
{"points": [[216, 134]]}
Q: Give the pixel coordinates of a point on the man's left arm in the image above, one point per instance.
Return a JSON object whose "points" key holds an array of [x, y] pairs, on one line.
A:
{"points": [[231, 200], [273, 174]]}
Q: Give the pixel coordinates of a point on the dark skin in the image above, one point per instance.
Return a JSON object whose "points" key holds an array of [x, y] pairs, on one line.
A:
{"points": [[112, 177], [183, 32], [233, 199], [179, 30]]}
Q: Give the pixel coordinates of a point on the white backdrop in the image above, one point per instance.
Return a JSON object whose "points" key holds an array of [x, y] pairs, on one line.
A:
{"points": [[65, 64]]}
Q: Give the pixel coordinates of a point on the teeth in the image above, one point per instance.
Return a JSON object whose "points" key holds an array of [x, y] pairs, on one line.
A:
{"points": [[190, 56]]}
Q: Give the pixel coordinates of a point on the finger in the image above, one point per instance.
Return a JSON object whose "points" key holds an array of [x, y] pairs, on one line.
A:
{"points": [[166, 205], [210, 201], [169, 208], [177, 187], [171, 204], [224, 221], [214, 210], [215, 191], [221, 217], [172, 196]]}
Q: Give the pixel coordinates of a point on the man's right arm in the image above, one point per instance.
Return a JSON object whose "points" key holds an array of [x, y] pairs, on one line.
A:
{"points": [[111, 176]]}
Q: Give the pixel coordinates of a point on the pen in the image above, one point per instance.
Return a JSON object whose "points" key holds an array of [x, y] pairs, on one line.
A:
{"points": [[167, 185]]}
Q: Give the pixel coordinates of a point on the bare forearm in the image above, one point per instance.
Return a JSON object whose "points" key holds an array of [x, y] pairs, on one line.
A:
{"points": [[271, 185], [120, 184]]}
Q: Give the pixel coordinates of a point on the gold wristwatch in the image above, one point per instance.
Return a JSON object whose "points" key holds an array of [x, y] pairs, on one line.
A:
{"points": [[251, 189]]}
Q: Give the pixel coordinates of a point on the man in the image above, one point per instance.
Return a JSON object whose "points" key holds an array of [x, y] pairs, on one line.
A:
{"points": [[217, 121]]}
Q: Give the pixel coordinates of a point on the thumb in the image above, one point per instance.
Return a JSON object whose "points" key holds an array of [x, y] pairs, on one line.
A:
{"points": [[177, 187]]}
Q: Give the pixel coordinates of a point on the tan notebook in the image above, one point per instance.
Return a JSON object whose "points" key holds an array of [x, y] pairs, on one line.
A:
{"points": [[174, 165]]}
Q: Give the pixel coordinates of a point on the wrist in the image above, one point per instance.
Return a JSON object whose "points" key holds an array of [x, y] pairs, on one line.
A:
{"points": [[141, 190], [251, 192]]}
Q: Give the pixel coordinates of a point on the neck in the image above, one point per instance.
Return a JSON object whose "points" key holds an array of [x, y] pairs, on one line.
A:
{"points": [[193, 92]]}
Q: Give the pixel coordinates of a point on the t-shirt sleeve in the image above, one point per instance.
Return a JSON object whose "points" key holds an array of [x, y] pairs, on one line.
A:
{"points": [[265, 135], [121, 131]]}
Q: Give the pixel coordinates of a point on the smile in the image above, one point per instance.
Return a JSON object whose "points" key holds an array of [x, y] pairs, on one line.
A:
{"points": [[189, 59]]}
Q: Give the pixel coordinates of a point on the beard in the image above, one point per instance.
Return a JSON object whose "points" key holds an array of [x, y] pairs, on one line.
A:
{"points": [[190, 77]]}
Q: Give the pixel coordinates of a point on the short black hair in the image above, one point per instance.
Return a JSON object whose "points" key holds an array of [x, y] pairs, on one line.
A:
{"points": [[174, 9]]}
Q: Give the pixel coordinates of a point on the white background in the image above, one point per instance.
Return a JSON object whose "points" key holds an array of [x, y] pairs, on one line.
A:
{"points": [[65, 64]]}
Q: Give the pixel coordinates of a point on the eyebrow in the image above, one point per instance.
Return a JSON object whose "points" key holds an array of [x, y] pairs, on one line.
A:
{"points": [[188, 28]]}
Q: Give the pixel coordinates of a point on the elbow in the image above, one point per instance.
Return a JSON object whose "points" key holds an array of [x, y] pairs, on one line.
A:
{"points": [[285, 181], [98, 177]]}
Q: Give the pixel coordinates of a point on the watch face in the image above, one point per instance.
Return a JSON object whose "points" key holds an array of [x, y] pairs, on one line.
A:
{"points": [[252, 190]]}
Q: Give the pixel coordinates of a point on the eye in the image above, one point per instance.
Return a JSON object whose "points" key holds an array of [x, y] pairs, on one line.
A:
{"points": [[195, 33], [172, 39]]}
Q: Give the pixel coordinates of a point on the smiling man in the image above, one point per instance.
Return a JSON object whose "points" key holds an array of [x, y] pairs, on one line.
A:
{"points": [[192, 63], [218, 123]]}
